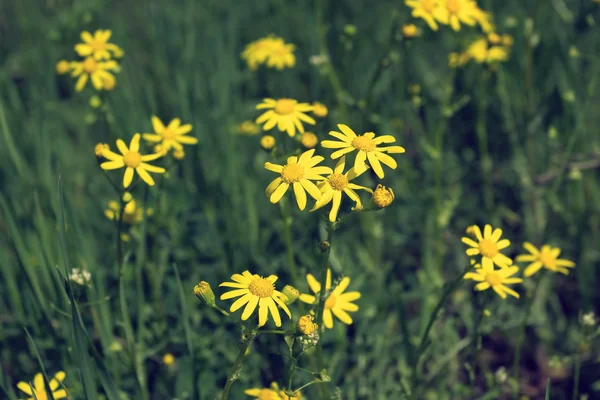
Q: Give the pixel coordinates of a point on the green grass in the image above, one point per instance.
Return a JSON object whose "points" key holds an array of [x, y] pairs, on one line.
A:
{"points": [[517, 147]]}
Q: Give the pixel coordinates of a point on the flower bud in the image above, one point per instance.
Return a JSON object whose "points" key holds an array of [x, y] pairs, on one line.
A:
{"points": [[168, 359], [100, 147], [306, 326], [382, 197], [205, 293], [95, 102], [63, 67], [409, 31], [267, 142], [291, 294], [127, 197], [309, 140], [179, 154], [320, 110]]}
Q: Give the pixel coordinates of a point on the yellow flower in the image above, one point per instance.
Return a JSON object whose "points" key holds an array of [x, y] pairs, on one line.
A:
{"points": [[453, 12], [335, 184], [95, 102], [366, 145], [410, 31], [109, 83], [132, 160], [287, 114], [309, 140], [97, 71], [271, 50], [298, 172], [494, 38], [248, 128], [482, 53], [171, 136], [178, 154], [99, 148], [132, 214], [488, 246], [382, 197], [424, 9], [507, 40], [305, 325], [337, 302], [484, 19], [256, 291], [547, 258], [496, 279], [39, 388], [168, 359], [97, 46], [274, 393], [63, 67], [267, 142], [281, 55], [319, 110]]}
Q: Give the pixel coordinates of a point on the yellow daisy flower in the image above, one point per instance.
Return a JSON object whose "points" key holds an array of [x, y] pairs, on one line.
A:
{"points": [[496, 279], [320, 110], [274, 393], [335, 184], [39, 388], [97, 71], [256, 53], [453, 12], [424, 9], [547, 257], [488, 246], [97, 45], [281, 55], [133, 214], [171, 136], [132, 160], [298, 172], [337, 302], [366, 145], [287, 114], [256, 291], [271, 50]]}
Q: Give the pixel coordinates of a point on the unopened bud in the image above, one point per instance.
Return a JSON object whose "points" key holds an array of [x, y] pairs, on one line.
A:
{"points": [[291, 294], [267, 142], [99, 149], [205, 293]]}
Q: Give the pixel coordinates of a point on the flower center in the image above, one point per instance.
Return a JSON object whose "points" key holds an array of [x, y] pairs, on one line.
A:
{"points": [[488, 248], [261, 287], [97, 45], [330, 302], [363, 143], [453, 6], [292, 173], [338, 181], [428, 5], [285, 106], [547, 259], [90, 65], [133, 159], [493, 279], [167, 134]]}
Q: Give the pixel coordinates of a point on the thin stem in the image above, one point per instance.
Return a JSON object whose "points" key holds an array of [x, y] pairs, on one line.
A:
{"points": [[235, 369], [307, 385], [293, 368], [273, 332], [577, 372], [287, 235]]}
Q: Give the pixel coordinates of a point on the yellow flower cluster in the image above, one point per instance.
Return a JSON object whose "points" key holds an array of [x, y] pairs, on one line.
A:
{"points": [[490, 49], [98, 63], [270, 50], [272, 393], [450, 12]]}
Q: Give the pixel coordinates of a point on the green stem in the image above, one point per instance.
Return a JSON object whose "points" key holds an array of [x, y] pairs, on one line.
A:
{"points": [[287, 235], [577, 372], [307, 385], [235, 369], [273, 332], [292, 369]]}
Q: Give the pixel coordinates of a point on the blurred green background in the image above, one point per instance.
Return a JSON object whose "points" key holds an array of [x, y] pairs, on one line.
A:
{"points": [[515, 145]]}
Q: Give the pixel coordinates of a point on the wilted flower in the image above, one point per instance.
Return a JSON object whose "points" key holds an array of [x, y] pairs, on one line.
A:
{"points": [[382, 197]]}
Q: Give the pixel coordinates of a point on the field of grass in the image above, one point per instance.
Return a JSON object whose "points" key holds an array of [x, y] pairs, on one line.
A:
{"points": [[513, 143]]}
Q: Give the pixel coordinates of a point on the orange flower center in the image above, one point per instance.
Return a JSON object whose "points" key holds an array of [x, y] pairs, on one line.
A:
{"points": [[488, 248], [261, 287], [90, 65], [363, 143], [292, 173], [338, 181], [167, 134], [330, 302], [453, 6], [285, 106], [547, 259], [493, 279], [133, 159]]}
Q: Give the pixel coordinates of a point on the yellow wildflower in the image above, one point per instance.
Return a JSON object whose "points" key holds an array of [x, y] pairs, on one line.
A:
{"points": [[335, 184], [171, 136], [132, 160], [409, 31], [178, 154], [309, 140], [547, 258], [496, 279], [305, 325], [366, 145], [494, 38], [425, 9], [63, 67], [39, 390], [168, 359], [99, 148], [248, 128], [109, 83], [97, 71], [337, 302], [382, 197], [271, 50], [319, 110], [287, 114], [256, 291], [298, 172], [267, 142], [272, 393], [132, 214], [97, 45], [489, 246], [453, 12]]}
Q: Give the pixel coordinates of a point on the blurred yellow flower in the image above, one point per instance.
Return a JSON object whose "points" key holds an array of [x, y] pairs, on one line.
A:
{"points": [[496, 279], [507, 40], [382, 197], [453, 12], [39, 390], [409, 31], [271, 50], [547, 257], [63, 67], [337, 301], [494, 38], [256, 291], [248, 128], [97, 71], [171, 136], [274, 393], [336, 183], [366, 146], [178, 154], [132, 214], [97, 45], [319, 110], [168, 359], [489, 246], [109, 83], [484, 19], [425, 9], [298, 172], [287, 114], [99, 148], [267, 142], [95, 102], [132, 160], [309, 140]]}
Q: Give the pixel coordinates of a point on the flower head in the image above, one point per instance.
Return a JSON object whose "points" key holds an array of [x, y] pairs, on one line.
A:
{"points": [[425, 9], [248, 128], [271, 50], [81, 277], [495, 279], [272, 393], [453, 12], [97, 45], [366, 147], [337, 301], [267, 142], [168, 359], [409, 31], [63, 67], [174, 135], [319, 110], [96, 71], [305, 325], [382, 197], [488, 245], [99, 148], [256, 291], [309, 140], [178, 154], [132, 160], [205, 293], [286, 114], [40, 390], [297, 172], [547, 258], [336, 184], [132, 214]]}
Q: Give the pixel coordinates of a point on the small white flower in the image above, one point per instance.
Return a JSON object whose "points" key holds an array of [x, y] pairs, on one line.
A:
{"points": [[501, 375], [319, 59], [81, 277], [589, 319]]}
